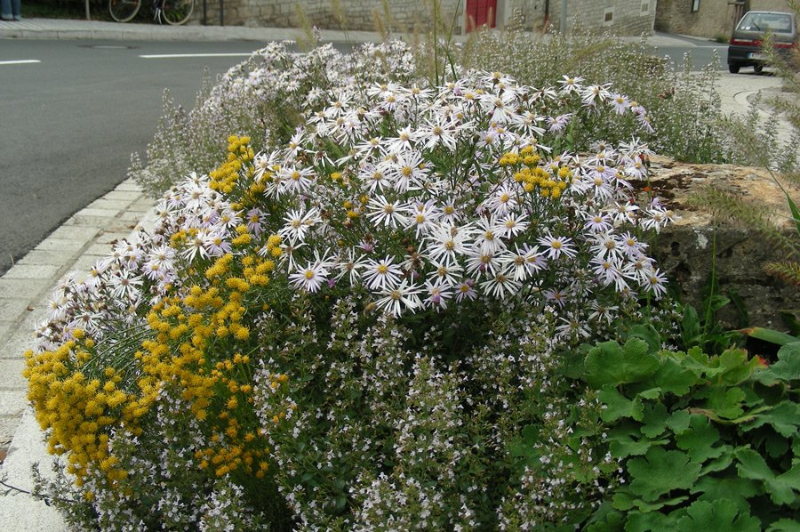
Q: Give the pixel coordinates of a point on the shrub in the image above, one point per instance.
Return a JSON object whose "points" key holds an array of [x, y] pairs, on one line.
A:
{"points": [[360, 327], [264, 97]]}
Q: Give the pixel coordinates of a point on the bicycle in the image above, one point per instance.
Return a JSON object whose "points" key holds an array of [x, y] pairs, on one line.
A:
{"points": [[174, 12]]}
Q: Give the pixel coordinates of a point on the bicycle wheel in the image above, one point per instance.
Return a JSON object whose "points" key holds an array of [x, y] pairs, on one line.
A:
{"points": [[123, 10], [176, 11]]}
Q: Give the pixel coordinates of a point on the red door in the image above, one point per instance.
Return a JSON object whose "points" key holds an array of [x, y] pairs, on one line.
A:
{"points": [[480, 12]]}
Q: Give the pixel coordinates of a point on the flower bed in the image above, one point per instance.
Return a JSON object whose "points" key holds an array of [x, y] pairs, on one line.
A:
{"points": [[373, 324]]}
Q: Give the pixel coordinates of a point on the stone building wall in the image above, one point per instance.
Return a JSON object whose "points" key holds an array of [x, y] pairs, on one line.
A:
{"points": [[627, 17], [624, 17], [404, 15]]}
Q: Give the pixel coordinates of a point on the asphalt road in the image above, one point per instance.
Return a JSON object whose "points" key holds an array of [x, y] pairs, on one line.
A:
{"points": [[72, 112], [69, 123]]}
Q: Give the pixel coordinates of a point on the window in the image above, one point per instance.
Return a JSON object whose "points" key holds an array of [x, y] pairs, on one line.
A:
{"points": [[777, 22], [695, 5], [645, 8], [608, 16]]}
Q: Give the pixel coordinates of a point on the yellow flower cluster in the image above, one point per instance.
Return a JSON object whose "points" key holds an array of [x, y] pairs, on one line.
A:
{"points": [[78, 402], [195, 335], [534, 178], [197, 347], [224, 178]]}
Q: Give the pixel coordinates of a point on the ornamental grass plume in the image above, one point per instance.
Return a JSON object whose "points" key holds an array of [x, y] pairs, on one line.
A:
{"points": [[352, 327]]}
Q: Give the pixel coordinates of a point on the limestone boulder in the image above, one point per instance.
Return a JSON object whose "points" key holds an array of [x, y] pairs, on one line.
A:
{"points": [[700, 243]]}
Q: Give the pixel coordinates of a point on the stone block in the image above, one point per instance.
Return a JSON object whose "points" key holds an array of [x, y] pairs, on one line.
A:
{"points": [[32, 271], [12, 288], [56, 257], [12, 402], [12, 308], [687, 249], [74, 233], [11, 375]]}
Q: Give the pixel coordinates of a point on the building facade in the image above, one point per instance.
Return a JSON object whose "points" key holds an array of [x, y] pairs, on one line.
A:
{"points": [[625, 17]]}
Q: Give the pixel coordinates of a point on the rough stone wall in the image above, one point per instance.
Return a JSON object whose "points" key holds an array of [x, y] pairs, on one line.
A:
{"points": [[404, 15], [627, 17], [770, 5], [623, 17]]}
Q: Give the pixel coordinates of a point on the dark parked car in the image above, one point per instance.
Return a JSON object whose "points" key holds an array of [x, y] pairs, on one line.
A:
{"points": [[745, 45]]}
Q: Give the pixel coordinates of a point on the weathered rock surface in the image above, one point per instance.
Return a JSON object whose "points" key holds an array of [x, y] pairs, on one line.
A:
{"points": [[699, 243]]}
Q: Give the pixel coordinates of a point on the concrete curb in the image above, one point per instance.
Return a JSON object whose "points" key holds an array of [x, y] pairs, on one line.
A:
{"points": [[25, 290]]}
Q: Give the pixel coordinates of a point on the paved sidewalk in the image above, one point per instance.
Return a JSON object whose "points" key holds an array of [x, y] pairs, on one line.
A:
{"points": [[88, 235]]}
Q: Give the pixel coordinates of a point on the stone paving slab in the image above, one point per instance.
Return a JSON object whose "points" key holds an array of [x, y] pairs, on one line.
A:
{"points": [[116, 205], [21, 512], [118, 195], [8, 425], [12, 402], [16, 287], [41, 256], [110, 237], [11, 308], [11, 374], [60, 244], [32, 271], [75, 233]]}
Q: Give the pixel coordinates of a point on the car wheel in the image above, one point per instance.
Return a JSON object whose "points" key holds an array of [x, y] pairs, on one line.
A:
{"points": [[758, 69], [733, 69]]}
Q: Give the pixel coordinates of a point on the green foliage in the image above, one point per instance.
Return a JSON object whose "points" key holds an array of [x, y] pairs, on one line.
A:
{"points": [[707, 442]]}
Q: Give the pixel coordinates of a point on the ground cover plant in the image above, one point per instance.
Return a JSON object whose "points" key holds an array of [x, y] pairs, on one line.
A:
{"points": [[380, 315]]}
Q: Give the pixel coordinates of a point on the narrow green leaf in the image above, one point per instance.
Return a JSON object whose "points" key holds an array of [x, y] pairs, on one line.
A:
{"points": [[795, 212], [769, 335]]}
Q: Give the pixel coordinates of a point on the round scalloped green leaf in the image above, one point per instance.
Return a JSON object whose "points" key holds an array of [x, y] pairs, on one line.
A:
{"points": [[673, 377], [788, 365], [660, 472], [611, 363], [783, 417], [649, 521], [617, 406], [784, 525], [781, 488], [733, 487], [721, 515], [699, 439]]}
